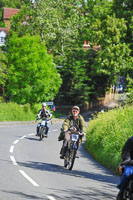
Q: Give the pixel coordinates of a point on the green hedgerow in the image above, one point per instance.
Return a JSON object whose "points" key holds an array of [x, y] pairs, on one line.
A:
{"points": [[107, 134]]}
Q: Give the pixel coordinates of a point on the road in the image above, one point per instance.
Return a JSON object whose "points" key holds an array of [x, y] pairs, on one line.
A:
{"points": [[32, 169]]}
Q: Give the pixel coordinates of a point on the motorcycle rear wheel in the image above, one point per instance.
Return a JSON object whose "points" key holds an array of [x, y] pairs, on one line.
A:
{"points": [[131, 196]]}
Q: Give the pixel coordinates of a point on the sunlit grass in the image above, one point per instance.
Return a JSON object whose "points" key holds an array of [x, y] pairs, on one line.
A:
{"points": [[107, 134], [14, 112]]}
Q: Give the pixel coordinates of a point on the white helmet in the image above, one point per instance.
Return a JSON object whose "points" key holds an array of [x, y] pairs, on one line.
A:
{"points": [[43, 104]]}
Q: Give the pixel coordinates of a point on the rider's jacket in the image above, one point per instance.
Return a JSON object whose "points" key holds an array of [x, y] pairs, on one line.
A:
{"points": [[127, 151], [46, 114], [79, 123]]}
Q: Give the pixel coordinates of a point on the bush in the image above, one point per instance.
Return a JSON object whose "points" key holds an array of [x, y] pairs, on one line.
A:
{"points": [[14, 112], [107, 134]]}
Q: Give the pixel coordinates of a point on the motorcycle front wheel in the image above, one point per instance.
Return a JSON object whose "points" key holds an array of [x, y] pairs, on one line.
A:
{"points": [[72, 159], [131, 196], [42, 132]]}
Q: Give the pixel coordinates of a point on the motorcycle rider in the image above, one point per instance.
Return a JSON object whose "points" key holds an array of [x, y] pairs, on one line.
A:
{"points": [[127, 157], [46, 114], [75, 120]]}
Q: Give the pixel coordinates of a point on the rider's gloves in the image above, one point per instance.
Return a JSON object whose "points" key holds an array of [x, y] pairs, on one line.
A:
{"points": [[82, 134], [120, 170]]}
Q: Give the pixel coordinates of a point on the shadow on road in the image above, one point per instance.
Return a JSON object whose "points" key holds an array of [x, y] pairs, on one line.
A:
{"points": [[61, 170], [29, 138], [24, 195], [82, 194]]}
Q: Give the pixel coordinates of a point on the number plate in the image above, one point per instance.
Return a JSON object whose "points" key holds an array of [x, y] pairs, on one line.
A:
{"points": [[43, 123], [75, 137]]}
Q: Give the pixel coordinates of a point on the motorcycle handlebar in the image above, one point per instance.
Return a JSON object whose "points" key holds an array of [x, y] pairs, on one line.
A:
{"points": [[76, 132]]}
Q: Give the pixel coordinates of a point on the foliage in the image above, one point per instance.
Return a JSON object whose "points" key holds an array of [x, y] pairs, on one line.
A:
{"points": [[109, 31], [64, 25], [32, 76], [11, 3], [129, 99], [107, 134], [124, 9], [3, 72], [17, 112]]}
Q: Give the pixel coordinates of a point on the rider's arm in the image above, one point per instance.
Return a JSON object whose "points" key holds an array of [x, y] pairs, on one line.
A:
{"points": [[126, 158], [82, 124], [39, 114], [66, 124], [49, 115]]}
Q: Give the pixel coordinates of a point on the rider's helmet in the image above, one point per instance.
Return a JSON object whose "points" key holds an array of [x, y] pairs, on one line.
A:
{"points": [[43, 104], [76, 108]]}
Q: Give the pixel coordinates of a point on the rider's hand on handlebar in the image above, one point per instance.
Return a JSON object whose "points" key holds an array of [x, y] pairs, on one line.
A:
{"points": [[82, 133], [36, 119], [120, 169]]}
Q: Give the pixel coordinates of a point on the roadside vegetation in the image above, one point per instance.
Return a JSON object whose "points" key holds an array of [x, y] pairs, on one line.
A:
{"points": [[15, 112], [107, 133]]}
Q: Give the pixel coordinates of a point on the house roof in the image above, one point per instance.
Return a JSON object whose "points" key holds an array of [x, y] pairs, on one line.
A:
{"points": [[4, 29], [9, 12]]}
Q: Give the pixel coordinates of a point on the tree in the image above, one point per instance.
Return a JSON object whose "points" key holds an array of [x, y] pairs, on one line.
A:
{"points": [[3, 72], [114, 57], [32, 75], [64, 25], [11, 3]]}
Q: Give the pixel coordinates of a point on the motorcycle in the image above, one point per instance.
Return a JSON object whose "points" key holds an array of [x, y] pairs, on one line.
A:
{"points": [[42, 128], [72, 147], [128, 192]]}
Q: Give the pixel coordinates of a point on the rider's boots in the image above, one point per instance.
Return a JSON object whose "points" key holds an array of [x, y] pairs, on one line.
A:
{"points": [[63, 152]]}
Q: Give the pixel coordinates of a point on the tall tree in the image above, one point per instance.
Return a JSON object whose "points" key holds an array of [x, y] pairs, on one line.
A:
{"points": [[32, 76]]}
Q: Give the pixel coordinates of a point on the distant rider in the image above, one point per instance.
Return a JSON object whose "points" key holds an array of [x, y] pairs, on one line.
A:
{"points": [[75, 120], [45, 114], [127, 158]]}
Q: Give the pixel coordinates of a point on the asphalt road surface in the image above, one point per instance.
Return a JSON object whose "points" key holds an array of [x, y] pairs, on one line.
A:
{"points": [[32, 169]]}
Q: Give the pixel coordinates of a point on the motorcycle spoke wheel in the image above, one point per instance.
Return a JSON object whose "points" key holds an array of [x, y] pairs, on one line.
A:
{"points": [[72, 159], [41, 133], [131, 196]]}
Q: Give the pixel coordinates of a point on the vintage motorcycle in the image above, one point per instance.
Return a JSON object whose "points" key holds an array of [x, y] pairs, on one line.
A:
{"points": [[42, 128], [72, 147]]}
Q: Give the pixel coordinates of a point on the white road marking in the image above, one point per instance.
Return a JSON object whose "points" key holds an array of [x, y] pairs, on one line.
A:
{"points": [[31, 134], [13, 160], [55, 130], [51, 198], [28, 178], [15, 163], [22, 137], [11, 149], [16, 141]]}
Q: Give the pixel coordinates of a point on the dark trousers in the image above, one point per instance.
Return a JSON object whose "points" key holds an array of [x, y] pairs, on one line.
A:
{"points": [[128, 172], [64, 145]]}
